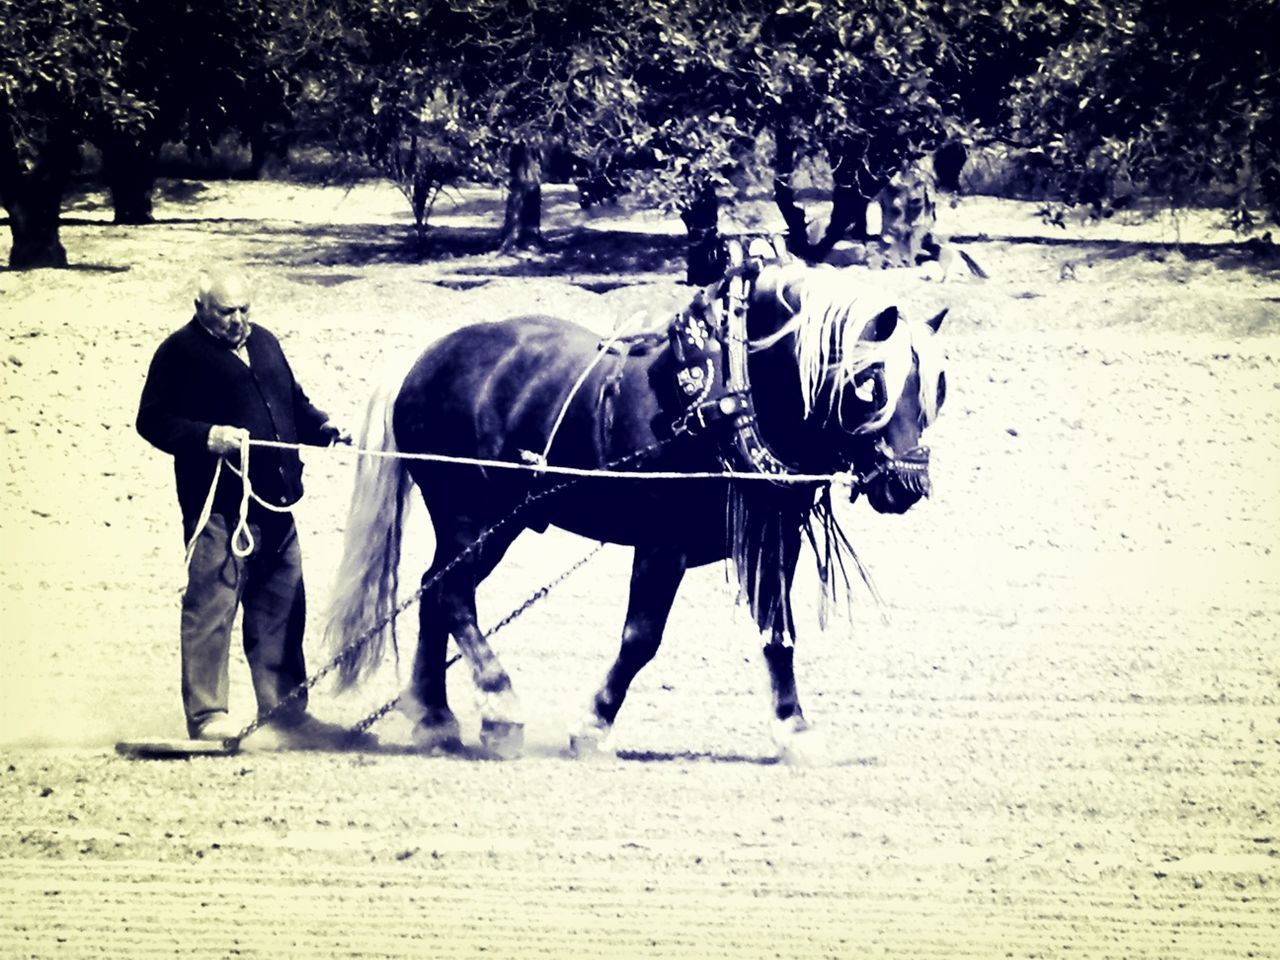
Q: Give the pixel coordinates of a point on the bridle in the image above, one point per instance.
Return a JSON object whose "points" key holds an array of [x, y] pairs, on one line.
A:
{"points": [[712, 374]]}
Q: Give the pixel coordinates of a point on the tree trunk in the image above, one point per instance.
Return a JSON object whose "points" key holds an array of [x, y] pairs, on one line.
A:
{"points": [[856, 185], [705, 257], [948, 162], [33, 198], [522, 226], [268, 146], [784, 194], [851, 191], [129, 168]]}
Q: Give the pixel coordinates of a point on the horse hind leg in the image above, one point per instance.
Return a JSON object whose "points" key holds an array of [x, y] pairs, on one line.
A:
{"points": [[452, 610], [655, 576], [437, 728]]}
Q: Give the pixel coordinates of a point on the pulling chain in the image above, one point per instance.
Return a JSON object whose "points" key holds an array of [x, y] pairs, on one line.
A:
{"points": [[533, 598], [354, 647]]}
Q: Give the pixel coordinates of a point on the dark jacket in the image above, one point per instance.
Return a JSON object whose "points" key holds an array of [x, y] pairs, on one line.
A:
{"points": [[195, 381]]}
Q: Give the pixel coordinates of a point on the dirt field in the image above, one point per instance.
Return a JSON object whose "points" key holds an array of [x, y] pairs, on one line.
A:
{"points": [[1064, 742]]}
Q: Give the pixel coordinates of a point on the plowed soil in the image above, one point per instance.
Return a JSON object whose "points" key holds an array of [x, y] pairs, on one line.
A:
{"points": [[1060, 736]]}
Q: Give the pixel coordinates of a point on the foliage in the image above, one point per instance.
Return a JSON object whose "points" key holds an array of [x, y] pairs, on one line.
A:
{"points": [[849, 85], [61, 67], [1159, 98], [430, 91]]}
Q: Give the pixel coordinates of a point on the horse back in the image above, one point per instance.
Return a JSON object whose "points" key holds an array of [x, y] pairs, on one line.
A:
{"points": [[534, 385]]}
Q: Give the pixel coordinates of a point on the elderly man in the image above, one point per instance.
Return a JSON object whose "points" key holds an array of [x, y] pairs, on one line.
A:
{"points": [[213, 384]]}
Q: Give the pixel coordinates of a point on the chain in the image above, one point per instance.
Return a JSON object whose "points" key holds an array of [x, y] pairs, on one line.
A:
{"points": [[533, 598], [353, 648]]}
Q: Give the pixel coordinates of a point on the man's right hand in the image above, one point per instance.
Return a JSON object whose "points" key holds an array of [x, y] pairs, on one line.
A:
{"points": [[224, 439]]}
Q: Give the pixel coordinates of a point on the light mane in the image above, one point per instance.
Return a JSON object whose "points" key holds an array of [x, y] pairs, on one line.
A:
{"points": [[831, 314]]}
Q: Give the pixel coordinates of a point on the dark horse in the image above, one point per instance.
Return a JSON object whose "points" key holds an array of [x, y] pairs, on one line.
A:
{"points": [[779, 373]]}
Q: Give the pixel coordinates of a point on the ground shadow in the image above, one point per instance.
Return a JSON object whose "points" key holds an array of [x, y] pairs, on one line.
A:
{"points": [[1253, 255], [599, 254], [75, 268]]}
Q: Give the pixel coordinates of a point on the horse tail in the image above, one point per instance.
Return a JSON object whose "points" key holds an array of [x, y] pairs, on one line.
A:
{"points": [[362, 608]]}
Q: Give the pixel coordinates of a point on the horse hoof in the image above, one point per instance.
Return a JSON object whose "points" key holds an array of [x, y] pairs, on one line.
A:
{"points": [[437, 739], [438, 732], [798, 744], [503, 739], [590, 745]]}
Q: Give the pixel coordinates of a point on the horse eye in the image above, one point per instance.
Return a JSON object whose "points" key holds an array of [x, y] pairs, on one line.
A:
{"points": [[942, 389], [865, 390]]}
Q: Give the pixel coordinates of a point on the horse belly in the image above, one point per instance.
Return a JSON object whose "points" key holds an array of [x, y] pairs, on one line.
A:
{"points": [[687, 513]]}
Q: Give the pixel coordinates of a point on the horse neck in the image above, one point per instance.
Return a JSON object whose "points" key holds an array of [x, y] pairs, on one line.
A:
{"points": [[779, 404]]}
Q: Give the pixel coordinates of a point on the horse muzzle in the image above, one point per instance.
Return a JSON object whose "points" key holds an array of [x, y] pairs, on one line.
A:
{"points": [[895, 483]]}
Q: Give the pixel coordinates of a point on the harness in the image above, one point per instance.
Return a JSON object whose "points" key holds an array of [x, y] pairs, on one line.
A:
{"points": [[712, 376]]}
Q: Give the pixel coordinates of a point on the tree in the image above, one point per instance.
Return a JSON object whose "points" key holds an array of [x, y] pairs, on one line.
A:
{"points": [[385, 93], [472, 87], [1159, 98], [847, 84], [60, 76], [854, 85], [206, 69]]}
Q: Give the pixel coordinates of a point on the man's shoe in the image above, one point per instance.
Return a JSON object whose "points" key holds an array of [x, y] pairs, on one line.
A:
{"points": [[216, 726]]}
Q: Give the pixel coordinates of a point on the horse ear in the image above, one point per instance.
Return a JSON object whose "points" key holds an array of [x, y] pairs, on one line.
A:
{"points": [[788, 290], [935, 322], [881, 326]]}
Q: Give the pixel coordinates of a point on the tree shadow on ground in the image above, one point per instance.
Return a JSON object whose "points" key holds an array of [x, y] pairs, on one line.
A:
{"points": [[1256, 256], [587, 250], [75, 268], [599, 253]]}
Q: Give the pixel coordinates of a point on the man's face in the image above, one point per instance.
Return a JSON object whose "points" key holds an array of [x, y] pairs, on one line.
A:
{"points": [[224, 311]]}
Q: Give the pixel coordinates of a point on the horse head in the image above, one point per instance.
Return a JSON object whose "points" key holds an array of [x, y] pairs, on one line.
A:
{"points": [[865, 379]]}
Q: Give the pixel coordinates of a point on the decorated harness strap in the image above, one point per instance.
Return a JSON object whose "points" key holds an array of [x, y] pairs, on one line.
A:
{"points": [[711, 360]]}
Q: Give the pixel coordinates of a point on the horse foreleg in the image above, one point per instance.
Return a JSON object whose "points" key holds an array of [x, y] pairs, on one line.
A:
{"points": [[788, 718], [792, 734], [655, 576]]}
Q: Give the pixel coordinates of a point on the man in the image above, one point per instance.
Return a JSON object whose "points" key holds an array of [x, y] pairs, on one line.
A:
{"points": [[212, 385]]}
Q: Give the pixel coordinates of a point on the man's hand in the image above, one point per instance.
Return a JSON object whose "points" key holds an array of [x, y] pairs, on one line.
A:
{"points": [[332, 433], [224, 439]]}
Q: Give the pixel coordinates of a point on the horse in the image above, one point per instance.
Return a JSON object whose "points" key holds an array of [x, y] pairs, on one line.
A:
{"points": [[773, 379]]}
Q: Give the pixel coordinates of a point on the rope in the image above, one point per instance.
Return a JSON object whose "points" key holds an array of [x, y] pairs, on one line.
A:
{"points": [[242, 542], [602, 472], [573, 391]]}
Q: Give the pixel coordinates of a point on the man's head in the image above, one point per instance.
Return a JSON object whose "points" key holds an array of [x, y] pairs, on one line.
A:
{"points": [[222, 305]]}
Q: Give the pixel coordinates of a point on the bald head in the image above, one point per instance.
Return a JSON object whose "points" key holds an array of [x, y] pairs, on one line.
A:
{"points": [[222, 305]]}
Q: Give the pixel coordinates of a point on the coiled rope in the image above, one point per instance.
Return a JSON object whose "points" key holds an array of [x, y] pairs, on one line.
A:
{"points": [[242, 542]]}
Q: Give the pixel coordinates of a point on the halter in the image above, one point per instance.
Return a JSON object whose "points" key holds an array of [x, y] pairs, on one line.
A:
{"points": [[711, 355]]}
